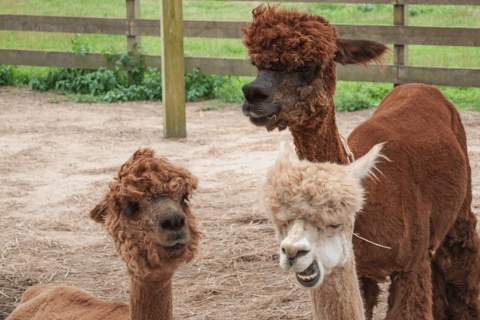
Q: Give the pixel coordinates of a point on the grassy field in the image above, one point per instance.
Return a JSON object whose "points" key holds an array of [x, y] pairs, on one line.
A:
{"points": [[464, 57]]}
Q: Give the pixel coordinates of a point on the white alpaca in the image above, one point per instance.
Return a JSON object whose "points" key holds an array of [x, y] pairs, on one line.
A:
{"points": [[313, 207]]}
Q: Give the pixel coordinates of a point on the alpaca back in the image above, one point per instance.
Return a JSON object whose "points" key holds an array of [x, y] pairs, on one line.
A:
{"points": [[42, 302]]}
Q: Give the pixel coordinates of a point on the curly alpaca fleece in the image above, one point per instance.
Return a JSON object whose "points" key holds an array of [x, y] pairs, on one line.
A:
{"points": [[288, 38], [321, 193], [141, 178]]}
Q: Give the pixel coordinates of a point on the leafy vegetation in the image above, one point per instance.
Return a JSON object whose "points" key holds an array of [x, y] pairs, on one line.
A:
{"points": [[352, 96], [7, 77], [212, 105], [116, 84]]}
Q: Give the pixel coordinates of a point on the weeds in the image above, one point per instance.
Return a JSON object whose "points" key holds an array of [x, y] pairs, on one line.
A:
{"points": [[79, 98], [7, 77], [127, 79], [213, 105]]}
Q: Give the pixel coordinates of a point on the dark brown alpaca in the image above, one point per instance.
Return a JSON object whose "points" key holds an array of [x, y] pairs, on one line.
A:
{"points": [[146, 214], [420, 207]]}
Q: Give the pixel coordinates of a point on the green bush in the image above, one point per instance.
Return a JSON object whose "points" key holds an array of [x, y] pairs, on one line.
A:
{"points": [[351, 96], [351, 101], [115, 83], [7, 77], [202, 86]]}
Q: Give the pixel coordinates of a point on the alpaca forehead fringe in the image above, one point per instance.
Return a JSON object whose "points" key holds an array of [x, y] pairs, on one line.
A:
{"points": [[288, 37], [146, 175], [322, 193]]}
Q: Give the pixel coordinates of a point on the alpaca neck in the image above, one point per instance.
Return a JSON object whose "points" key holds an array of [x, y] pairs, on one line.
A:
{"points": [[151, 300], [338, 297], [320, 141]]}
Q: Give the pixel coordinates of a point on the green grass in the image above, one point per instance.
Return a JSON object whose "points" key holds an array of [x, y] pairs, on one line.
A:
{"points": [[359, 93]]}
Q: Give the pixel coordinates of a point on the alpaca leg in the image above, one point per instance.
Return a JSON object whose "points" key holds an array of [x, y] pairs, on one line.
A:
{"points": [[371, 290], [458, 260], [410, 294], [440, 301]]}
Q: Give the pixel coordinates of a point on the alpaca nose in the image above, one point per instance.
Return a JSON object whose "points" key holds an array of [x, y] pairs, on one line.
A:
{"points": [[255, 93], [172, 220], [292, 253]]}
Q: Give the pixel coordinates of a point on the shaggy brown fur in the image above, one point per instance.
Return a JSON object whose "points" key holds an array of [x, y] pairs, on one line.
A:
{"points": [[289, 39], [140, 179], [154, 233], [421, 209]]}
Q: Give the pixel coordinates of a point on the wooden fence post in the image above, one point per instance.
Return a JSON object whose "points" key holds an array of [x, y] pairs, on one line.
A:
{"points": [[173, 69], [133, 12], [400, 18]]}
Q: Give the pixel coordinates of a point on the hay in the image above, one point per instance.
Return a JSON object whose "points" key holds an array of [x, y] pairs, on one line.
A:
{"points": [[54, 171]]}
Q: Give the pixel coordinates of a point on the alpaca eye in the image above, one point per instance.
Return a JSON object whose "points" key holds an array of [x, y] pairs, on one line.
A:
{"points": [[306, 74], [334, 226], [303, 70], [130, 210]]}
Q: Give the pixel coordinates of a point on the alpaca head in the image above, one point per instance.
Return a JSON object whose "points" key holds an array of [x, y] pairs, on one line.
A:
{"points": [[146, 212], [313, 207], [296, 55]]}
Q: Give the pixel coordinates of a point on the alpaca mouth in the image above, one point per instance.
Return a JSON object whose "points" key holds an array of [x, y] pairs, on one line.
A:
{"points": [[177, 250], [259, 121], [260, 118], [310, 276], [176, 247]]}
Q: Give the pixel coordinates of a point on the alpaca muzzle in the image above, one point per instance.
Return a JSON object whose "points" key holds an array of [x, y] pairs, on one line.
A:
{"points": [[259, 98]]}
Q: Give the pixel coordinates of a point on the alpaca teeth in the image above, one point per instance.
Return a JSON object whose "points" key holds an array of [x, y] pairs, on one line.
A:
{"points": [[307, 278]]}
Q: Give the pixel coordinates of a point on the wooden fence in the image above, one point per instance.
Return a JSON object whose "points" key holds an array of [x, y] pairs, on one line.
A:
{"points": [[399, 34]]}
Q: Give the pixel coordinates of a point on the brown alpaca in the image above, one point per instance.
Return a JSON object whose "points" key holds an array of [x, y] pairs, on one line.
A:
{"points": [[146, 214], [313, 206], [422, 207]]}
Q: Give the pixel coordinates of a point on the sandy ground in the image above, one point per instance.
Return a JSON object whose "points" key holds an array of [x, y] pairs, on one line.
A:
{"points": [[56, 161]]}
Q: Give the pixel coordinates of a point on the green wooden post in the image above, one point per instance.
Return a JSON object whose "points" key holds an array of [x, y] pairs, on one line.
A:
{"points": [[173, 69], [400, 18]]}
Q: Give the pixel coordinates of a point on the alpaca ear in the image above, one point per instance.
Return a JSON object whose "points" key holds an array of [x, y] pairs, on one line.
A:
{"points": [[364, 166], [100, 211], [359, 52]]}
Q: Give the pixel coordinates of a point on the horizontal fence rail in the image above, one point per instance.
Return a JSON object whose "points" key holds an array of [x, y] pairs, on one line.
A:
{"points": [[461, 77], [441, 36]]}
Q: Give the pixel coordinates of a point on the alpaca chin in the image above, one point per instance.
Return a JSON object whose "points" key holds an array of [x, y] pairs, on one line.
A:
{"points": [[176, 251], [264, 119]]}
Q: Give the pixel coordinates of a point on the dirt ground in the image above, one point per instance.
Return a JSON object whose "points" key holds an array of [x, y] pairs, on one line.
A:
{"points": [[56, 161]]}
